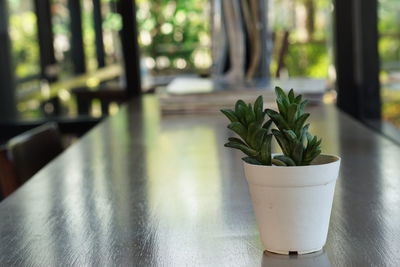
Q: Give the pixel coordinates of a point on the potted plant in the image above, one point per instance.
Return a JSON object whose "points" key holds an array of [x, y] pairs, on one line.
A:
{"points": [[292, 192]]}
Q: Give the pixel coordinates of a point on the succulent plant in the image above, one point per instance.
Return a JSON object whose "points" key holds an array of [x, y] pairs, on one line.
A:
{"points": [[247, 122], [299, 147]]}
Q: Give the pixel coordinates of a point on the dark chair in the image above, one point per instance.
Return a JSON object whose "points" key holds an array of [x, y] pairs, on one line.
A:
{"points": [[32, 150], [8, 177]]}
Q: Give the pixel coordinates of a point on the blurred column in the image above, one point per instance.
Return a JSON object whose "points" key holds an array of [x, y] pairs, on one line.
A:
{"points": [[357, 58], [98, 28], [130, 46], [78, 53], [46, 40], [7, 83], [241, 42]]}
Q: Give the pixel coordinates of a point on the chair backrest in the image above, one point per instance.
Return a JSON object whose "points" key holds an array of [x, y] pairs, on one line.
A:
{"points": [[8, 177], [32, 150]]}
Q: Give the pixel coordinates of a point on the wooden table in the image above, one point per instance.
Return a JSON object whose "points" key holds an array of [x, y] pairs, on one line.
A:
{"points": [[141, 190]]}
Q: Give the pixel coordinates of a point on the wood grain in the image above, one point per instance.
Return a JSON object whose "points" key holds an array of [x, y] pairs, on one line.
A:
{"points": [[145, 190]]}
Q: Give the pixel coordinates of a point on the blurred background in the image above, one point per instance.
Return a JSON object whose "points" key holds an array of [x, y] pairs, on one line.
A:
{"points": [[175, 38]]}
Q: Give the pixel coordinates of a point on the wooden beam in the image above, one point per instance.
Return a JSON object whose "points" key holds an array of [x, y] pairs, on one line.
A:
{"points": [[357, 58], [7, 82], [46, 39], [130, 46], [77, 50], [98, 28]]}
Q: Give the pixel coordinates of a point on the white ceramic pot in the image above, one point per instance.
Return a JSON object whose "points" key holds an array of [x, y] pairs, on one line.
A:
{"points": [[293, 204]]}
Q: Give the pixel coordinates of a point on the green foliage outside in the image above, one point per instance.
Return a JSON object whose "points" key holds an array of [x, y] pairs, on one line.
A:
{"points": [[23, 35], [174, 35], [308, 60]]}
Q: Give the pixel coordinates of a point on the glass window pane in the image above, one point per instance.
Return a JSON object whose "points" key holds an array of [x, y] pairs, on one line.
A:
{"points": [[389, 52], [23, 34]]}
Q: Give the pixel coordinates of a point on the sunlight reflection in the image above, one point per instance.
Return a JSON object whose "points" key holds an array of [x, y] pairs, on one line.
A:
{"points": [[190, 196]]}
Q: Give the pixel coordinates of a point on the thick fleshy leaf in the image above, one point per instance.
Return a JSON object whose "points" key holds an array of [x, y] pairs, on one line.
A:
{"points": [[251, 160], [280, 93], [230, 114], [291, 115], [277, 119], [297, 100], [267, 125], [252, 131], [291, 96], [239, 129], [282, 107], [237, 140], [277, 162], [238, 104], [258, 108], [249, 114], [290, 135], [300, 122], [241, 114], [265, 151], [303, 133], [258, 138], [297, 154], [245, 149], [287, 160], [282, 142]]}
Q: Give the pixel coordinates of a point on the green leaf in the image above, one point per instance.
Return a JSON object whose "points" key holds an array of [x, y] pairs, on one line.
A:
{"points": [[249, 114], [230, 114], [277, 119], [300, 121], [239, 129], [241, 114], [239, 103], [277, 162], [297, 154], [302, 106], [280, 93], [291, 114], [251, 160], [245, 149], [267, 125], [237, 140], [258, 138], [297, 100], [265, 151], [258, 108], [291, 96], [303, 134], [282, 107], [290, 135], [309, 138], [251, 132], [283, 143], [287, 160], [319, 142]]}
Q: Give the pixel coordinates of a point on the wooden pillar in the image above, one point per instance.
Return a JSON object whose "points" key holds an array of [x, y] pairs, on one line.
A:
{"points": [[357, 58], [7, 82], [77, 50], [130, 46], [98, 28], [46, 40]]}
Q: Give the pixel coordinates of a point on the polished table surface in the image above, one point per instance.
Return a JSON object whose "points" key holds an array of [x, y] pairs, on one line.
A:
{"points": [[141, 189]]}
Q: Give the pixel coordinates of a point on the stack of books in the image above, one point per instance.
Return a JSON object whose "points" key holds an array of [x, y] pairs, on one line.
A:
{"points": [[202, 95]]}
